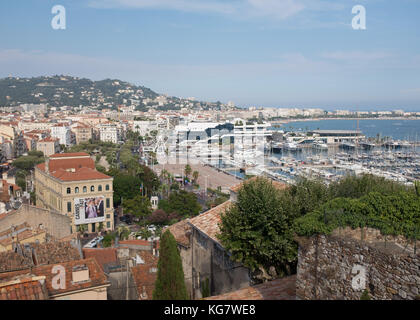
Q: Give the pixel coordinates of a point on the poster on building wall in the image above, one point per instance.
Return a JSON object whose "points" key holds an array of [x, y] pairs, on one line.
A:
{"points": [[89, 210]]}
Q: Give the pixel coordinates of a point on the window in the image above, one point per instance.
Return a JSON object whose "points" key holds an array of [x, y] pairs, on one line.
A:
{"points": [[68, 206], [92, 188], [100, 188], [108, 216], [68, 190], [108, 224], [84, 189], [107, 187], [108, 203], [76, 190]]}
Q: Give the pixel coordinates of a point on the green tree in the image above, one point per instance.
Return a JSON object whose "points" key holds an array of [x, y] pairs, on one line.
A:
{"points": [[107, 241], [187, 170], [144, 233], [27, 162], [139, 206], [170, 283], [125, 186], [181, 202], [257, 229]]}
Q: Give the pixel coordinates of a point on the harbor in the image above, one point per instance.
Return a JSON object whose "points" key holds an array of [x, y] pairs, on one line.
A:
{"points": [[252, 149]]}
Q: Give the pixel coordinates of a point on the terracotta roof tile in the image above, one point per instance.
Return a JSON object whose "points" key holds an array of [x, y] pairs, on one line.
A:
{"points": [[145, 275], [181, 232], [54, 252], [208, 222], [26, 287], [135, 242], [102, 256], [280, 289], [84, 168], [96, 276], [69, 155], [49, 139]]}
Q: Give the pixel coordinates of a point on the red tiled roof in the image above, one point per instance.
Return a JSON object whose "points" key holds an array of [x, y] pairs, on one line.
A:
{"points": [[9, 260], [69, 155], [135, 242], [54, 252], [79, 175], [144, 275], [49, 139], [280, 289], [84, 168], [208, 222], [96, 276], [181, 232], [26, 287], [102, 256]]}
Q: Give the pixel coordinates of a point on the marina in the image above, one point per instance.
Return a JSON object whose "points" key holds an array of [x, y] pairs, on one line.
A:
{"points": [[250, 149]]}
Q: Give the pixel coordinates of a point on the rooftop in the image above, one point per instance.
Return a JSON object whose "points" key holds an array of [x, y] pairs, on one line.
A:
{"points": [[145, 275], [102, 256], [72, 167], [181, 232], [25, 287], [280, 289], [96, 276], [208, 222]]}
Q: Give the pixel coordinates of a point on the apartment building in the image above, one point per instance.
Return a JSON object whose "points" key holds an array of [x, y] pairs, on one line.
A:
{"points": [[109, 132], [70, 184], [48, 146], [62, 132], [83, 133], [9, 134]]}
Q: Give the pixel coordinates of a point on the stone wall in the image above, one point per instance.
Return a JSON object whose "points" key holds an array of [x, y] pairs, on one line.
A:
{"points": [[56, 224], [341, 267], [210, 261]]}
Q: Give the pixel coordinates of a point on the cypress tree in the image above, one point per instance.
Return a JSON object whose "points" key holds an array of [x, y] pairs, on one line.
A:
{"points": [[170, 284]]}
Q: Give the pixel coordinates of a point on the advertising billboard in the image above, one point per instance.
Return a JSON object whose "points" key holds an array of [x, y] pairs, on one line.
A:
{"points": [[89, 210]]}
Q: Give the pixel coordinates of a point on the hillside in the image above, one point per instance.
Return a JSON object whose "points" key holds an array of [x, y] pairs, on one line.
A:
{"points": [[59, 91]]}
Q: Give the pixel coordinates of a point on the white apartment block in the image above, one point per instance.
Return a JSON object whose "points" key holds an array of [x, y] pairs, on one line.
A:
{"points": [[109, 133], [144, 127], [31, 125], [62, 132]]}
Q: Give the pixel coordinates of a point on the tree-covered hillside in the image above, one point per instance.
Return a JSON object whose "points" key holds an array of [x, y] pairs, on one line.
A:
{"points": [[70, 91]]}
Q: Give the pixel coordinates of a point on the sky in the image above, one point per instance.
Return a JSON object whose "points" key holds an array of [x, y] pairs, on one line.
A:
{"points": [[271, 53]]}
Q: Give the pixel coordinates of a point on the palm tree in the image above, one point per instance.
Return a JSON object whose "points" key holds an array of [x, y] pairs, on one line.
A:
{"points": [[195, 176], [187, 170]]}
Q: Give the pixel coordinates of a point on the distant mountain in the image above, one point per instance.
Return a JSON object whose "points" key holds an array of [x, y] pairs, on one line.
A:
{"points": [[60, 91]]}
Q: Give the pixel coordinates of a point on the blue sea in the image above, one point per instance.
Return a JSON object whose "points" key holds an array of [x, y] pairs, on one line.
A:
{"points": [[395, 129]]}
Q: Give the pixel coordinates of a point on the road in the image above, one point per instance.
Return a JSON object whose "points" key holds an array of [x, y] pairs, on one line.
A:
{"points": [[207, 175]]}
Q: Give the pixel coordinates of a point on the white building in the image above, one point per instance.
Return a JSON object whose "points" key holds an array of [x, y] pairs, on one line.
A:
{"points": [[144, 127], [62, 132], [109, 132]]}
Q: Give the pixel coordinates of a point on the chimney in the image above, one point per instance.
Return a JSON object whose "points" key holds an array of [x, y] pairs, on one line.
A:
{"points": [[80, 274]]}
